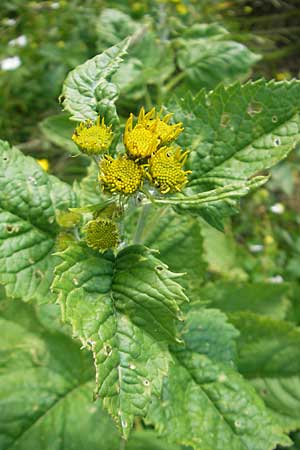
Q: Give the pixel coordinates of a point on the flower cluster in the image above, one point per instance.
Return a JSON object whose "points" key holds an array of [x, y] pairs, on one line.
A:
{"points": [[150, 153], [150, 157]]}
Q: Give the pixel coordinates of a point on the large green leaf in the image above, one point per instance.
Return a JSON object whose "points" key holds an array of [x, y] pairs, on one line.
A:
{"points": [[29, 200], [45, 389], [267, 347], [205, 402], [87, 90], [207, 56], [124, 309], [234, 132], [262, 298], [269, 356], [166, 231], [46, 384]]}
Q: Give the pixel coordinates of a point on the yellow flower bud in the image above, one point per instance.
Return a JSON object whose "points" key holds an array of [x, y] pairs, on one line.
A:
{"points": [[93, 138], [67, 219], [101, 234], [120, 174]]}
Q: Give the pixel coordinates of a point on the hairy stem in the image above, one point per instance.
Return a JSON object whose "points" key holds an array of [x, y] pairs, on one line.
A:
{"points": [[141, 223]]}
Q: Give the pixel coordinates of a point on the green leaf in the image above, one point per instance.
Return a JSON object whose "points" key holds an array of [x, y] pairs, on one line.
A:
{"points": [[205, 402], [147, 440], [267, 347], [58, 129], [124, 309], [29, 199], [236, 131], [261, 298], [207, 56], [87, 91], [269, 356], [144, 64], [45, 389], [113, 26], [282, 397], [166, 231]]}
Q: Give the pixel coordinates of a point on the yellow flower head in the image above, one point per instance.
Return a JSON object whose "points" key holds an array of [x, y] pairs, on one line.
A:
{"points": [[166, 170], [101, 234], [139, 140], [93, 137], [165, 132], [120, 175]]}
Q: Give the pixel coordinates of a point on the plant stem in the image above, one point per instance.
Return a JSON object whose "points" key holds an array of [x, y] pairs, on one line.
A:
{"points": [[141, 223], [122, 444], [174, 81]]}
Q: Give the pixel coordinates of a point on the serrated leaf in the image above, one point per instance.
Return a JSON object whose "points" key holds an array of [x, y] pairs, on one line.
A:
{"points": [[29, 199], [206, 403], [87, 90], [124, 309], [236, 131], [58, 129], [207, 56]]}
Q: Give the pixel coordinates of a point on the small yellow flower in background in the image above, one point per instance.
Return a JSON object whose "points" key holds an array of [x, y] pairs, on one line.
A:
{"points": [[269, 240], [93, 137], [101, 234], [121, 174], [44, 163], [166, 170], [181, 9], [139, 140], [280, 76]]}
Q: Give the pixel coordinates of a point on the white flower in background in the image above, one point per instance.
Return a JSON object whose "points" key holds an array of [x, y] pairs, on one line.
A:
{"points": [[9, 22], [20, 41], [278, 208], [10, 63], [256, 248], [277, 279], [54, 5]]}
